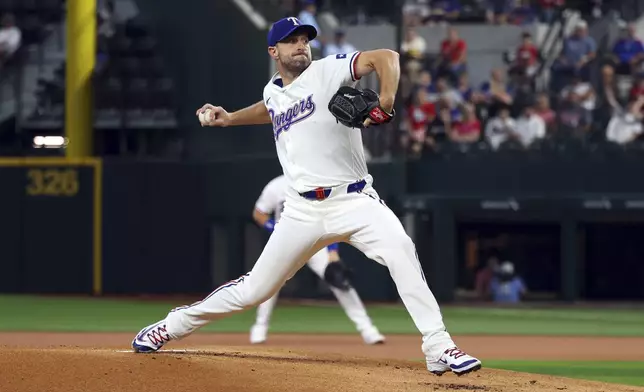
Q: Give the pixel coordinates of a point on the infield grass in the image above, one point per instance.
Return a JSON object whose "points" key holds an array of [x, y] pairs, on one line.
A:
{"points": [[631, 373], [35, 313]]}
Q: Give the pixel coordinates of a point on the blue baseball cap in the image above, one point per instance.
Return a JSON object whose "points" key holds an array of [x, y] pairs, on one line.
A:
{"points": [[287, 26]]}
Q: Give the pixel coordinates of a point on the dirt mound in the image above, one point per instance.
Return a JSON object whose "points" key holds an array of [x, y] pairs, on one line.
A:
{"points": [[398, 346], [68, 369]]}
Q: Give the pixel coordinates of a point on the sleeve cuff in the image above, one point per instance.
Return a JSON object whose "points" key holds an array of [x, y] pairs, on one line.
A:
{"points": [[353, 66]]}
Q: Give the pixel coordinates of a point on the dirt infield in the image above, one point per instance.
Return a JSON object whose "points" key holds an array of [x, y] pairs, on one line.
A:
{"points": [[219, 362]]}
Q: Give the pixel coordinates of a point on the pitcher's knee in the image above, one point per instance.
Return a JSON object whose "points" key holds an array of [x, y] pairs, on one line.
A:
{"points": [[256, 296], [392, 248], [401, 241]]}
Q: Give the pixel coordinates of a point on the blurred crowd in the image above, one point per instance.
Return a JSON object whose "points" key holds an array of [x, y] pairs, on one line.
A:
{"points": [[519, 12], [443, 108]]}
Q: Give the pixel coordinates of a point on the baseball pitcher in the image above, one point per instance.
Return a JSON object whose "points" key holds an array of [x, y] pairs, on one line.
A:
{"points": [[317, 115]]}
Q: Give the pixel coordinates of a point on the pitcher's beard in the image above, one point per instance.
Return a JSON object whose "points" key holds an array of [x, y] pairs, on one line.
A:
{"points": [[296, 66]]}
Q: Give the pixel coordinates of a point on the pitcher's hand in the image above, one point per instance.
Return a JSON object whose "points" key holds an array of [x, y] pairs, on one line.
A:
{"points": [[213, 116]]}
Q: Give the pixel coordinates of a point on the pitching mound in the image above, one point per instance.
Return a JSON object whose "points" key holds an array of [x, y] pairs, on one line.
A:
{"points": [[248, 369]]}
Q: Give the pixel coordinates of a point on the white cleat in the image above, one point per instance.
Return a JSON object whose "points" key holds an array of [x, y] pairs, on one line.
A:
{"points": [[258, 334], [454, 360], [372, 336], [151, 338]]}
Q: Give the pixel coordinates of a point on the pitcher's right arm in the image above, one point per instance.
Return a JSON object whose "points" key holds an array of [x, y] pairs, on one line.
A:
{"points": [[255, 114]]}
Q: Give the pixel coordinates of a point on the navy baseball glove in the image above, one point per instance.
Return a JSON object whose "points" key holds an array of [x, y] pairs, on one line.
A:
{"points": [[352, 107], [337, 274]]}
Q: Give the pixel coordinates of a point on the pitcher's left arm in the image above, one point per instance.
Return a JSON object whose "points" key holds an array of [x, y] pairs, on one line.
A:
{"points": [[386, 64]]}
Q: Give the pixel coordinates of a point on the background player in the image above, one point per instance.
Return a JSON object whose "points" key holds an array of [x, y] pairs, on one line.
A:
{"points": [[330, 197], [326, 264]]}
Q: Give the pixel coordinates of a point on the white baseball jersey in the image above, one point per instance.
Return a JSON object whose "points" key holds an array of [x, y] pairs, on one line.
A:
{"points": [[273, 196], [313, 149]]}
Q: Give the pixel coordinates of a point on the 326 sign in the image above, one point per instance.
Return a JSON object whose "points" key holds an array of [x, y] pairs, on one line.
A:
{"points": [[52, 182]]}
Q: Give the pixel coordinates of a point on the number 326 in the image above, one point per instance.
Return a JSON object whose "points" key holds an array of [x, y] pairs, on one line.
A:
{"points": [[52, 182]]}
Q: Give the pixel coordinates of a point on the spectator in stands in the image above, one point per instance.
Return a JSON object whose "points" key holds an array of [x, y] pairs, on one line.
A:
{"points": [[527, 57], [419, 116], [105, 13], [442, 125], [415, 12], [443, 11], [10, 37], [579, 101], [413, 46], [572, 120], [543, 110], [608, 97], [425, 82], [468, 130], [484, 277], [408, 87], [530, 127], [548, 9], [464, 87], [307, 16], [628, 52], [453, 56], [451, 97], [413, 50], [522, 95], [496, 91], [501, 128], [579, 50], [595, 9], [339, 45], [506, 286], [637, 89], [626, 125], [498, 11]]}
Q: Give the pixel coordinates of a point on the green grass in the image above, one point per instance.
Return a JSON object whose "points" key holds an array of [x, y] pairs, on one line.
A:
{"points": [[33, 313], [631, 373]]}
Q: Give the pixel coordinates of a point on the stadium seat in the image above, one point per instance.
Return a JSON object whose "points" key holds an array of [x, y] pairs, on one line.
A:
{"points": [[136, 29], [163, 94], [121, 46], [109, 94], [137, 95], [131, 68], [51, 11], [32, 30], [154, 67], [144, 47], [131, 89], [8, 5], [26, 8]]}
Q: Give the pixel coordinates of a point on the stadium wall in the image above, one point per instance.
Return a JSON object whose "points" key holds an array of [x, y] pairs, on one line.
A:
{"points": [[127, 227]]}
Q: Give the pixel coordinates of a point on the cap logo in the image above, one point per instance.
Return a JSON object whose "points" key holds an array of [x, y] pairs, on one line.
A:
{"points": [[294, 21]]}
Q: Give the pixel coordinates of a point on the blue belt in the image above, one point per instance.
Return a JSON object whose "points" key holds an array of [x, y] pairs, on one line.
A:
{"points": [[323, 193]]}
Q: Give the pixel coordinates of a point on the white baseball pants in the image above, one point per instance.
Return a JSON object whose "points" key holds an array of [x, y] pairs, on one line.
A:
{"points": [[304, 228]]}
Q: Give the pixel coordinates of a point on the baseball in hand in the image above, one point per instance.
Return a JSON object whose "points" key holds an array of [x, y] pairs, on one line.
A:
{"points": [[205, 117]]}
